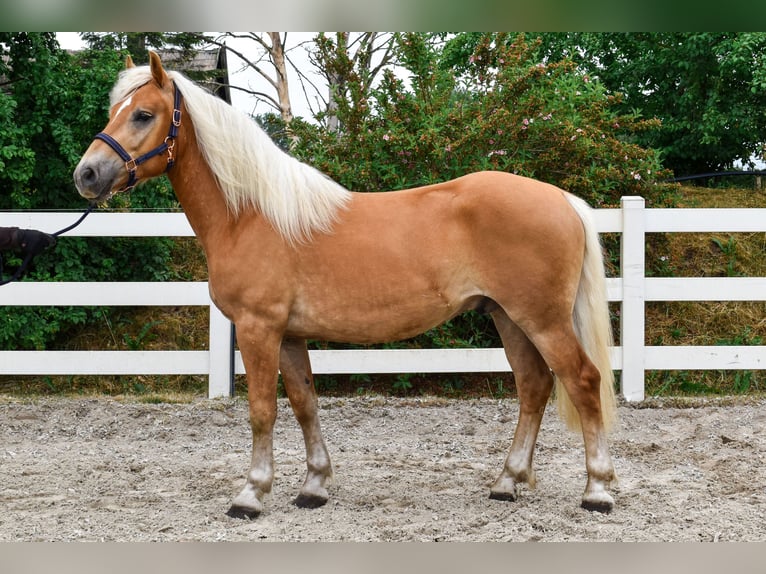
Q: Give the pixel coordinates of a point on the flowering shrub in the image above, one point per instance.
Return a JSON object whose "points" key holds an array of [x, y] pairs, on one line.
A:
{"points": [[505, 112]]}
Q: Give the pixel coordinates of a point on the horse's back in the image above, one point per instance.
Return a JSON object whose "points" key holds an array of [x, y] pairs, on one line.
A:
{"points": [[506, 196], [486, 217], [497, 208]]}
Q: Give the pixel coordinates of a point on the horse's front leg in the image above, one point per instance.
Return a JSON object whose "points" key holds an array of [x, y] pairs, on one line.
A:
{"points": [[299, 385], [260, 354]]}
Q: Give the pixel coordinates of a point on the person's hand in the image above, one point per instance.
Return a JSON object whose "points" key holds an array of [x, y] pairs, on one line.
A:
{"points": [[33, 241]]}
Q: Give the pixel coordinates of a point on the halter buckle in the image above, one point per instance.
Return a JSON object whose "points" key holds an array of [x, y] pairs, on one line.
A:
{"points": [[170, 143], [131, 165]]}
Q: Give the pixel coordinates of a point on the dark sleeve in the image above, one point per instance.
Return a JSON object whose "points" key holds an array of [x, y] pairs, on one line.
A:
{"points": [[9, 238]]}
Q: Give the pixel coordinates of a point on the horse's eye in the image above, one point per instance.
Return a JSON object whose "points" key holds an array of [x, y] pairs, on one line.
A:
{"points": [[142, 116]]}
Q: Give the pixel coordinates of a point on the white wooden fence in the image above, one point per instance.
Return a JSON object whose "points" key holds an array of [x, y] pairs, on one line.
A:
{"points": [[633, 289]]}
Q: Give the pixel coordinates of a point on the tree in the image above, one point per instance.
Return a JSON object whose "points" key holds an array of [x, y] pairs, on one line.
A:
{"points": [[343, 60], [138, 44], [495, 108], [270, 63], [708, 89], [349, 64], [19, 55]]}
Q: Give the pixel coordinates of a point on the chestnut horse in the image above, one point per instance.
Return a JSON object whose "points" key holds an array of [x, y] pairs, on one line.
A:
{"points": [[292, 255]]}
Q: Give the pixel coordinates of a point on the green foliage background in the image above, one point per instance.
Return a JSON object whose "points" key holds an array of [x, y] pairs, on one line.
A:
{"points": [[493, 107], [707, 88]]}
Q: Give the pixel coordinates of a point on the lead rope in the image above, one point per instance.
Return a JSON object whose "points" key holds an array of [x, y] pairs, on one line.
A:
{"points": [[91, 207], [29, 256]]}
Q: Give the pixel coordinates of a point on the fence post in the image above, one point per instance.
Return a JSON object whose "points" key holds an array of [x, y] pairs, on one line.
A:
{"points": [[220, 345], [632, 263]]}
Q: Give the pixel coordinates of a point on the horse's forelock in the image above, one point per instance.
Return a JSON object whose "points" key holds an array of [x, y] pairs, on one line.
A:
{"points": [[129, 80]]}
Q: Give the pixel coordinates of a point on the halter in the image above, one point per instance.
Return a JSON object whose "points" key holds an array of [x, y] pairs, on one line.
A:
{"points": [[166, 146]]}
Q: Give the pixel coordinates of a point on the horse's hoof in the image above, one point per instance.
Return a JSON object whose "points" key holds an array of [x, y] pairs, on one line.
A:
{"points": [[309, 501], [505, 496], [242, 513], [602, 506], [504, 488]]}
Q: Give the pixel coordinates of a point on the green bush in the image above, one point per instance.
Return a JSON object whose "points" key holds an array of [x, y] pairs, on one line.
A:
{"points": [[504, 111], [52, 105]]}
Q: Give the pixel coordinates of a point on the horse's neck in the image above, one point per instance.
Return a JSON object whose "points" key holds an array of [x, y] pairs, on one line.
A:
{"points": [[205, 207], [197, 196], [197, 190]]}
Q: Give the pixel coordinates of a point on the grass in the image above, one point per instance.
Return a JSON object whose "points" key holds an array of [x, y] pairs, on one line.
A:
{"points": [[708, 323], [674, 323]]}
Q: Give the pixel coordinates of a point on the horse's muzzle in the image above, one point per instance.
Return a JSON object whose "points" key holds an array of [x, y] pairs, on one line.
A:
{"points": [[91, 182]]}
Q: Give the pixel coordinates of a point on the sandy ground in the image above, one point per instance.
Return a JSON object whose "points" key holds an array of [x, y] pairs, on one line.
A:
{"points": [[101, 469]]}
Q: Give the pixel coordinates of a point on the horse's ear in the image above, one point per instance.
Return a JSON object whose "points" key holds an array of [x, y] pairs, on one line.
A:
{"points": [[129, 62], [158, 73]]}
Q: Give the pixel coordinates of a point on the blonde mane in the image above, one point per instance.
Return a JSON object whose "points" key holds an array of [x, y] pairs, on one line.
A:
{"points": [[251, 171]]}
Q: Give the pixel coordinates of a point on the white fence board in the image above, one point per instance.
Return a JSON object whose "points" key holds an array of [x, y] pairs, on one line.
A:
{"points": [[103, 224], [705, 358], [352, 361], [632, 269], [105, 362], [171, 294], [706, 220], [389, 361], [632, 290], [706, 289], [608, 220]]}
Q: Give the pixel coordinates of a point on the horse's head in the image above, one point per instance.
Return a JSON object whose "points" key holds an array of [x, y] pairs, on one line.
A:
{"points": [[138, 142]]}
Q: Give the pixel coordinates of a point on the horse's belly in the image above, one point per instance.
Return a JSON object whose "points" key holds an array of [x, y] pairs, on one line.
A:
{"points": [[353, 321]]}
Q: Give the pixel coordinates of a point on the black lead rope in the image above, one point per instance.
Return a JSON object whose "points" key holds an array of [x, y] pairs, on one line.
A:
{"points": [[91, 207], [29, 256]]}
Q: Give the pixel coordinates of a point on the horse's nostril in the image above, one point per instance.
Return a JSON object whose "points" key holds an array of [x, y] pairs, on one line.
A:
{"points": [[85, 177], [88, 175]]}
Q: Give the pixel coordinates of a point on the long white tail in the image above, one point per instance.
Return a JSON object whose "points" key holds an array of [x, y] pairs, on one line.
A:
{"points": [[591, 322]]}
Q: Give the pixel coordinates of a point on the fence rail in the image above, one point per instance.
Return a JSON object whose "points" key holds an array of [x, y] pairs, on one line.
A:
{"points": [[220, 362]]}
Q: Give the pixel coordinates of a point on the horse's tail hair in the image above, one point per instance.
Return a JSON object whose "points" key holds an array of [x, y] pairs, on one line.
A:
{"points": [[592, 323]]}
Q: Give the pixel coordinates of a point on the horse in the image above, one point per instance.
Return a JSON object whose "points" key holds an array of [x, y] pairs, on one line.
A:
{"points": [[293, 255]]}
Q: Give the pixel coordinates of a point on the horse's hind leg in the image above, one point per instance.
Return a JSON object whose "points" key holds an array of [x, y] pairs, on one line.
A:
{"points": [[299, 385], [582, 381], [534, 383]]}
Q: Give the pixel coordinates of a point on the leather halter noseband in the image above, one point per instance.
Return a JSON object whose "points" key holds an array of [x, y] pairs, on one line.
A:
{"points": [[166, 146]]}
